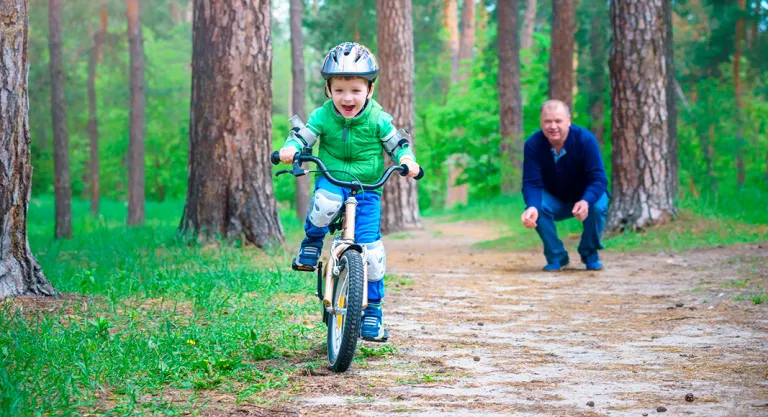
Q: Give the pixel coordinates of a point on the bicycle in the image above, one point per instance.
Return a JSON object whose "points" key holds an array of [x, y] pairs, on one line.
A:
{"points": [[342, 283]]}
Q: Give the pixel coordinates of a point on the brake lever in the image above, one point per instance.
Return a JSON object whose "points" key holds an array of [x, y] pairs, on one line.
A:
{"points": [[298, 170]]}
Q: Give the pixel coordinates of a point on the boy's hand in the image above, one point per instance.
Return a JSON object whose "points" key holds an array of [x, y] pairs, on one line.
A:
{"points": [[413, 167], [529, 217], [286, 154]]}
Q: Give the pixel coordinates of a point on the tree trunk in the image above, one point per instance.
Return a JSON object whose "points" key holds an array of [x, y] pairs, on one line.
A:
{"points": [[753, 38], [230, 193], [298, 106], [454, 164], [451, 25], [674, 183], [598, 58], [510, 98], [707, 142], [561, 52], [62, 186], [175, 12], [740, 171], [528, 24], [467, 40], [158, 184], [93, 125], [20, 273], [394, 25], [136, 138], [641, 193]]}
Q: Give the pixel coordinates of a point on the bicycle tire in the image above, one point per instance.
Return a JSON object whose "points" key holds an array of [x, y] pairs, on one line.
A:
{"points": [[342, 337]]}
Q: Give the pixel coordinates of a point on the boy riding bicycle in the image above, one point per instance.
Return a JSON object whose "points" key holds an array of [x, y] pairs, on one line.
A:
{"points": [[352, 129]]}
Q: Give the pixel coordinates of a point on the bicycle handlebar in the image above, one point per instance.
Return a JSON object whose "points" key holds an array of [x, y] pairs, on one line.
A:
{"points": [[299, 158]]}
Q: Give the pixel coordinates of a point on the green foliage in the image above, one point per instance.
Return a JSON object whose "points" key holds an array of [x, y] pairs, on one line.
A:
{"points": [[467, 122], [144, 314]]}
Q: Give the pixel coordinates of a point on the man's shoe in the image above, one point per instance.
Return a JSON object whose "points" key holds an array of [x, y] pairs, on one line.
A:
{"points": [[594, 266], [557, 266], [373, 324], [307, 258]]}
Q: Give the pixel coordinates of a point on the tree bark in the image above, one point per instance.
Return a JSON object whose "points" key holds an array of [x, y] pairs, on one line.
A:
{"points": [[230, 193], [707, 142], [136, 138], [753, 38], [641, 192], [20, 273], [529, 23], [175, 12], [298, 105], [598, 57], [510, 97], [451, 25], [93, 125], [394, 25], [466, 40], [740, 170], [561, 52], [62, 185], [674, 183]]}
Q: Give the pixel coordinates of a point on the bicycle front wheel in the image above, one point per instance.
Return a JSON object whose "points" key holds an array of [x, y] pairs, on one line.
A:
{"points": [[344, 324]]}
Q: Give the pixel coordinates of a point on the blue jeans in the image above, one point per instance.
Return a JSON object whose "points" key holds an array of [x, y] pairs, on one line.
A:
{"points": [[552, 210], [367, 226]]}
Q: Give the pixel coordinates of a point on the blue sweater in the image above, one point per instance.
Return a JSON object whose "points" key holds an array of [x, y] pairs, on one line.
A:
{"points": [[579, 174]]}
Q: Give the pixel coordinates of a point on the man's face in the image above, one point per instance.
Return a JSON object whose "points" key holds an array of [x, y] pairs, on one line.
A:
{"points": [[555, 123], [349, 95]]}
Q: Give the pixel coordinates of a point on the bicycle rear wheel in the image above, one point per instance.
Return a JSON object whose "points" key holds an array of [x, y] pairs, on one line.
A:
{"points": [[344, 324]]}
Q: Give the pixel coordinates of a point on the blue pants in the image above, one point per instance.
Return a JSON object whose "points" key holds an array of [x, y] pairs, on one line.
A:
{"points": [[552, 210], [367, 227]]}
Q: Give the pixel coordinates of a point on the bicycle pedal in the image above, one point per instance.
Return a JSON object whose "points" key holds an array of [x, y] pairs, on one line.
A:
{"points": [[302, 268]]}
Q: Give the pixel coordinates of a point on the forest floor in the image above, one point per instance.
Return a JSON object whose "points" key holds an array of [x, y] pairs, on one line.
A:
{"points": [[477, 332], [486, 332]]}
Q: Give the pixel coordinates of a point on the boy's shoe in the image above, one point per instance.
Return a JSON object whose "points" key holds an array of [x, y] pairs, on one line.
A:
{"points": [[557, 266], [594, 266], [373, 324], [307, 258]]}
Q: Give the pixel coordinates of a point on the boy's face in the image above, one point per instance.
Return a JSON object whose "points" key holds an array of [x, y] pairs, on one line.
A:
{"points": [[349, 95]]}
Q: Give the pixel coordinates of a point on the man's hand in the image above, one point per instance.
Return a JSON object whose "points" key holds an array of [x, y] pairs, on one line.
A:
{"points": [[580, 210], [413, 167], [529, 217], [286, 154]]}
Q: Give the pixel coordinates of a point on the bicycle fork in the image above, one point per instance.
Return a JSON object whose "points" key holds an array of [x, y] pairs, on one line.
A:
{"points": [[338, 247]]}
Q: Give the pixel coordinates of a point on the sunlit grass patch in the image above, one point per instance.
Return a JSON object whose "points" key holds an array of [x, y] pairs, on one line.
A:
{"points": [[144, 315]]}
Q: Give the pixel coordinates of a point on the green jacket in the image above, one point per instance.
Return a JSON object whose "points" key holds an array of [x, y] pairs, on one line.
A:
{"points": [[353, 145]]}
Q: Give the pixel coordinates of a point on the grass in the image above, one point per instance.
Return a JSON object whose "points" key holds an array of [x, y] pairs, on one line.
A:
{"points": [[146, 322], [740, 218]]}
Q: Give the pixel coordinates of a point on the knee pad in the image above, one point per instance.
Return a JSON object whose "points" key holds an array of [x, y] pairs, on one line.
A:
{"points": [[376, 260], [324, 207]]}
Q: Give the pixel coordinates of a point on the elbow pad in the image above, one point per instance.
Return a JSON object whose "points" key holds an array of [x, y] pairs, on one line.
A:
{"points": [[301, 133], [394, 141]]}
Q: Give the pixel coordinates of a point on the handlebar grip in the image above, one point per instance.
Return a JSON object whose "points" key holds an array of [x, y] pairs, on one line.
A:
{"points": [[275, 158], [405, 171]]}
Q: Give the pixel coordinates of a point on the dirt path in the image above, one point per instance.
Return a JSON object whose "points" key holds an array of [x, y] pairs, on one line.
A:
{"points": [[488, 333]]}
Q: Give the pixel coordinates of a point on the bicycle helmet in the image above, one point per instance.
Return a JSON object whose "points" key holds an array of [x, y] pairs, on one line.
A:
{"points": [[351, 59]]}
